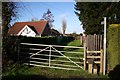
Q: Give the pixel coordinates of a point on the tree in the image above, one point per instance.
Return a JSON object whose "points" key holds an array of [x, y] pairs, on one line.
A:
{"points": [[9, 13], [91, 15], [49, 16], [64, 25]]}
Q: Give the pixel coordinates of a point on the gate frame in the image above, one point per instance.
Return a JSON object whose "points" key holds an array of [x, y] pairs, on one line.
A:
{"points": [[51, 48]]}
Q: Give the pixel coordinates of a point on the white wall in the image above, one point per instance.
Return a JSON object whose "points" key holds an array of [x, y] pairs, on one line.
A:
{"points": [[26, 31]]}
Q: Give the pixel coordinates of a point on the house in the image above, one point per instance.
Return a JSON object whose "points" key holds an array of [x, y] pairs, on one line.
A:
{"points": [[38, 28], [54, 32]]}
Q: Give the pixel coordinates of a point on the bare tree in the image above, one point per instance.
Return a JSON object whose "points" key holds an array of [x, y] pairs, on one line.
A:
{"points": [[64, 26], [49, 16]]}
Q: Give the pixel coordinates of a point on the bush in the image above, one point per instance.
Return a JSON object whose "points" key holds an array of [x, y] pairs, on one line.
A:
{"points": [[47, 40], [113, 51], [11, 46], [12, 43]]}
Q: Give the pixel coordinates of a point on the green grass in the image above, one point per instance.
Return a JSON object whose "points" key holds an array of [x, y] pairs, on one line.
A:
{"points": [[23, 70], [74, 43], [70, 54], [49, 73]]}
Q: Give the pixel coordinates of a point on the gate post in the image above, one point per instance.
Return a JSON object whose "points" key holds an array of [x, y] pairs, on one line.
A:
{"points": [[101, 61], [85, 52], [50, 56]]}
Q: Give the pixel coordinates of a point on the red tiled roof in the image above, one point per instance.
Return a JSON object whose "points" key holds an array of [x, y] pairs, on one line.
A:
{"points": [[38, 25]]}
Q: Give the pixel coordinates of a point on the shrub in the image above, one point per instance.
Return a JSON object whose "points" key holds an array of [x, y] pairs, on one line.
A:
{"points": [[113, 51], [47, 40], [12, 43]]}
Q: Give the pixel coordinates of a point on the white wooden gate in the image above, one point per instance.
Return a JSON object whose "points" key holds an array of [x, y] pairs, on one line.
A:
{"points": [[53, 56]]}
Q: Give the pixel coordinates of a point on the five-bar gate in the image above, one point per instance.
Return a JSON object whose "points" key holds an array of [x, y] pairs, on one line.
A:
{"points": [[52, 56]]}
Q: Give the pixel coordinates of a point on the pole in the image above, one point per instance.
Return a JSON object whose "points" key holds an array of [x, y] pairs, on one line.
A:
{"points": [[84, 55], [104, 45], [50, 56]]}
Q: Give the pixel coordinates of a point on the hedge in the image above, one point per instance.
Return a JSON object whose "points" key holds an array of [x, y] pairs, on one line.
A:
{"points": [[47, 40], [113, 50], [12, 42]]}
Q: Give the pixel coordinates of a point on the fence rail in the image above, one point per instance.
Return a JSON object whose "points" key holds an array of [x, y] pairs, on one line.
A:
{"points": [[51, 45], [53, 57], [73, 58]]}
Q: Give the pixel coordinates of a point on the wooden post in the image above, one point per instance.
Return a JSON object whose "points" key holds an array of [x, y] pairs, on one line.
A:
{"points": [[94, 42], [85, 50], [18, 52], [95, 68], [90, 65], [50, 57], [98, 42], [81, 40], [90, 68], [104, 71], [101, 46], [101, 61]]}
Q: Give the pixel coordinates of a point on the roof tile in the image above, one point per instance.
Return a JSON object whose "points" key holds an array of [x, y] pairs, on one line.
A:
{"points": [[38, 25]]}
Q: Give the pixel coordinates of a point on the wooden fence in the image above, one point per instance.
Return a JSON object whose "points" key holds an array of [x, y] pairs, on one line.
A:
{"points": [[94, 42], [93, 50]]}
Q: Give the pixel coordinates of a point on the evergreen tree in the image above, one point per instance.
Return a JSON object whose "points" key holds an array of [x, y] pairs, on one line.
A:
{"points": [[9, 13], [91, 14]]}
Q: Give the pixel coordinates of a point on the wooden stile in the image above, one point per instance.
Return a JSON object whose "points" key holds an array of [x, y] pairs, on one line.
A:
{"points": [[94, 45]]}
